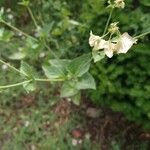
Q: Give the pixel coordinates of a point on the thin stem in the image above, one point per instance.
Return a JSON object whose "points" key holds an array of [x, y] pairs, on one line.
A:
{"points": [[105, 35], [32, 16], [141, 35], [48, 80], [27, 35], [108, 20], [10, 66], [27, 81], [51, 50], [18, 30], [14, 85]]}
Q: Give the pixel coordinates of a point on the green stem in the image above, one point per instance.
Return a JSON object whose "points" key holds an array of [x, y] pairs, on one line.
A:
{"points": [[32, 16], [27, 81], [105, 35], [10, 66], [18, 30], [141, 35], [106, 27], [50, 50], [48, 80], [25, 34], [14, 85]]}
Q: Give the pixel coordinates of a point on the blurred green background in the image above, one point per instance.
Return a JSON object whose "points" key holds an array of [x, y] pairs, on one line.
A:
{"points": [[123, 82]]}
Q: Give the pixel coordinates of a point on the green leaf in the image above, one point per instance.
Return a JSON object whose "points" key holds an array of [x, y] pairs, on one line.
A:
{"points": [[86, 82], [53, 72], [60, 63], [98, 55], [145, 2], [5, 35], [24, 3], [31, 44], [80, 65], [76, 98], [29, 73], [17, 56], [27, 70], [31, 86], [68, 89]]}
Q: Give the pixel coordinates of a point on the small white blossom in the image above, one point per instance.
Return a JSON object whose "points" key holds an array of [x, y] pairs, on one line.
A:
{"points": [[4, 67], [97, 42], [20, 34], [8, 10], [10, 16], [74, 142], [116, 45], [37, 31], [113, 27], [80, 141], [27, 123], [42, 54], [125, 43], [111, 47], [120, 3]]}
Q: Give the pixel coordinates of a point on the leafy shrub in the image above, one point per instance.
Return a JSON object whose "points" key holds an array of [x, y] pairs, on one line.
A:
{"points": [[121, 82], [123, 85]]}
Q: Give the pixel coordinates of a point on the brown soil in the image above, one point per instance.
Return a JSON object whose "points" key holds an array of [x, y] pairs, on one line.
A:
{"points": [[104, 129]]}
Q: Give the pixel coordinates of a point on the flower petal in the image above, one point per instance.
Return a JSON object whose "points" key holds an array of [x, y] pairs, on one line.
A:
{"points": [[108, 52], [125, 43], [110, 49], [97, 42], [93, 39]]}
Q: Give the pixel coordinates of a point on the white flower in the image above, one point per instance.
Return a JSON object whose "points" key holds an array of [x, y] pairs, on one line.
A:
{"points": [[97, 42], [4, 67], [27, 123], [120, 3], [42, 54], [119, 45], [113, 27], [125, 43], [111, 47], [74, 142], [10, 16], [8, 10]]}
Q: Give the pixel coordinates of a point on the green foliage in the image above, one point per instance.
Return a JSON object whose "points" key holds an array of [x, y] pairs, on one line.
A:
{"points": [[97, 55], [27, 72], [5, 36], [122, 82], [74, 73], [124, 85]]}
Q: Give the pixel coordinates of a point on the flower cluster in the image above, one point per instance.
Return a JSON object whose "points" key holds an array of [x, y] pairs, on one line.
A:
{"points": [[121, 44], [117, 4]]}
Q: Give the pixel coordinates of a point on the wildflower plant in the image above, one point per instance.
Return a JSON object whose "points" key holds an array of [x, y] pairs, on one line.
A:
{"points": [[72, 73]]}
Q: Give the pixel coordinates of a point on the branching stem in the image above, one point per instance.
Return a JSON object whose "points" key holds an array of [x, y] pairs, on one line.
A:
{"points": [[141, 35], [12, 67], [14, 85], [32, 16], [108, 20], [18, 30]]}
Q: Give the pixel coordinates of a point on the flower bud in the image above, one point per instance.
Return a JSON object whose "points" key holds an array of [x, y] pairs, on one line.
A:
{"points": [[119, 3], [113, 27]]}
